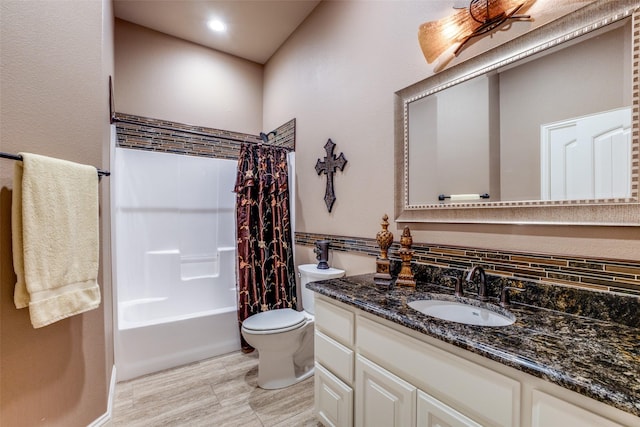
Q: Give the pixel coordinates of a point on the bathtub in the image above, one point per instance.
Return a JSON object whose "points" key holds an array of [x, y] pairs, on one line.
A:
{"points": [[174, 260], [195, 320], [146, 346]]}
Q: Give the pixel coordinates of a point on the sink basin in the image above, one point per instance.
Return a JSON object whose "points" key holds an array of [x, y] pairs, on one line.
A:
{"points": [[461, 312]]}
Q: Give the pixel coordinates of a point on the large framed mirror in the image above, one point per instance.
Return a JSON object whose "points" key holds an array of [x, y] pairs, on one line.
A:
{"points": [[540, 130]]}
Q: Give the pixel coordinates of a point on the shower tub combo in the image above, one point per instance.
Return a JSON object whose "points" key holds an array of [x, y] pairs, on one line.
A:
{"points": [[174, 260]]}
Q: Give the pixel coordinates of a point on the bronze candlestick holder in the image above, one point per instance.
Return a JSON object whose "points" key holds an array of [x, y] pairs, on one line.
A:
{"points": [[383, 266], [405, 277]]}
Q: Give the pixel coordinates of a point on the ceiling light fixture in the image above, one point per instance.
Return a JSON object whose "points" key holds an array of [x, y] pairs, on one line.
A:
{"points": [[480, 18], [216, 25]]}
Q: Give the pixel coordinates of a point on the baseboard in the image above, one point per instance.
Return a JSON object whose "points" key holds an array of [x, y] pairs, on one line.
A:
{"points": [[102, 420]]}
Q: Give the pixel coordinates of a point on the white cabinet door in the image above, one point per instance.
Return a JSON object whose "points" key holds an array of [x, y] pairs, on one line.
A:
{"points": [[333, 399], [549, 410], [382, 399], [433, 413]]}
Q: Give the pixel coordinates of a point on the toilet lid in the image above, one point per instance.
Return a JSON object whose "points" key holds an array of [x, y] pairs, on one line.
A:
{"points": [[274, 319]]}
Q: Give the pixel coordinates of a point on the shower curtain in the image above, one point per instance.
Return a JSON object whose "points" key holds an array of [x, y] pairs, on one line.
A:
{"points": [[266, 277]]}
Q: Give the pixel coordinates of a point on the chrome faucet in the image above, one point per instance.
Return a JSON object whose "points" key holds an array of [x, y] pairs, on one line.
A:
{"points": [[482, 285]]}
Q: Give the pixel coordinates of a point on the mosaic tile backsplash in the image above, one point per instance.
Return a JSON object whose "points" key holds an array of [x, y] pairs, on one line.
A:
{"points": [[143, 133], [599, 274]]}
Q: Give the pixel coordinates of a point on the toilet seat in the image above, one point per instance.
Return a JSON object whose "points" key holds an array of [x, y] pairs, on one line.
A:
{"points": [[274, 321]]}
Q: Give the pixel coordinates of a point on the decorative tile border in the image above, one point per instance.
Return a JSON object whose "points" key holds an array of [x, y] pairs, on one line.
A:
{"points": [[285, 135], [600, 274], [143, 133]]}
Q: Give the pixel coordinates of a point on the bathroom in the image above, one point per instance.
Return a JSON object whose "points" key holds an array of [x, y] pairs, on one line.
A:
{"points": [[336, 75]]}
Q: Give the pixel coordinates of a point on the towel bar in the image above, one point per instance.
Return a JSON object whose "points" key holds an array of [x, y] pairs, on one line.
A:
{"points": [[19, 158]]}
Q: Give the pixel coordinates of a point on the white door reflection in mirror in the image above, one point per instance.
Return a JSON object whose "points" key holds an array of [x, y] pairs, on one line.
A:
{"points": [[587, 157]]}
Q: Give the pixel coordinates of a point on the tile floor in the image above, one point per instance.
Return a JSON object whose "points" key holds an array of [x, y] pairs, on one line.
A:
{"points": [[220, 392]]}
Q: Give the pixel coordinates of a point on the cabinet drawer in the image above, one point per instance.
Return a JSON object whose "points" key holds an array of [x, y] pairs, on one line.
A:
{"points": [[333, 399], [335, 356], [335, 322], [486, 396]]}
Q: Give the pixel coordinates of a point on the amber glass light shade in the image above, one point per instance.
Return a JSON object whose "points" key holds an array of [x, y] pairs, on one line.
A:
{"points": [[436, 37]]}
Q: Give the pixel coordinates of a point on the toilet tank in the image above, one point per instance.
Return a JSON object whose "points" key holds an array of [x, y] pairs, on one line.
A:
{"points": [[311, 273]]}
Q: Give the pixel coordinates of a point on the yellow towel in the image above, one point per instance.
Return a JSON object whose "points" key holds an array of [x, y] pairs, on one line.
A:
{"points": [[55, 238]]}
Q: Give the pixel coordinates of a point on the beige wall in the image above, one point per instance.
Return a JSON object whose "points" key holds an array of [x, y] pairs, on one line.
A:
{"points": [[163, 77], [337, 75], [53, 79]]}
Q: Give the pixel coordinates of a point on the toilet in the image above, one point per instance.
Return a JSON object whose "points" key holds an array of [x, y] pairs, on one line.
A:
{"points": [[284, 337]]}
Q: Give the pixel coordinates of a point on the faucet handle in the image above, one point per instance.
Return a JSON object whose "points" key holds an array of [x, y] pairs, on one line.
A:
{"points": [[504, 295], [468, 275], [457, 283]]}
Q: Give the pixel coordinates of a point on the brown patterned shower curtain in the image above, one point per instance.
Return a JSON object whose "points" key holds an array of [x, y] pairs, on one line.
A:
{"points": [[266, 277]]}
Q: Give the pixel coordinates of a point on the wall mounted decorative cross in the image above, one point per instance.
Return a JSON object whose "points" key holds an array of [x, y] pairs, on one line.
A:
{"points": [[329, 166]]}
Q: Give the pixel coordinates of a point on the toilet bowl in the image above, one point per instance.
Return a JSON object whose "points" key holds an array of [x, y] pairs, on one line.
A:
{"points": [[284, 337]]}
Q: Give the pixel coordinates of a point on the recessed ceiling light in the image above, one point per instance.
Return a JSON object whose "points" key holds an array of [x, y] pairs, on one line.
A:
{"points": [[216, 25]]}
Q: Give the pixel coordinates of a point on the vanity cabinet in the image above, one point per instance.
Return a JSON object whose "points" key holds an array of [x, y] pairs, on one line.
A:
{"points": [[373, 372], [334, 364]]}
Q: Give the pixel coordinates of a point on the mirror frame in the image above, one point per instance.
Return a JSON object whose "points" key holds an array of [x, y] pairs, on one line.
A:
{"points": [[620, 212]]}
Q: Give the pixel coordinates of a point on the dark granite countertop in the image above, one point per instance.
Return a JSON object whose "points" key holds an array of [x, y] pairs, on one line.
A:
{"points": [[596, 358]]}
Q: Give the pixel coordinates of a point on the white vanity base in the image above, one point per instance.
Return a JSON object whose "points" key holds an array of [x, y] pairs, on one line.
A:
{"points": [[372, 372]]}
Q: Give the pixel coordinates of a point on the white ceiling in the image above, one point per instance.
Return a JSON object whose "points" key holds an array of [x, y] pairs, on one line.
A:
{"points": [[255, 28]]}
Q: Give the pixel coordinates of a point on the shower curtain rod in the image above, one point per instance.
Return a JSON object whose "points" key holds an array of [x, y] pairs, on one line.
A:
{"points": [[19, 158], [116, 119]]}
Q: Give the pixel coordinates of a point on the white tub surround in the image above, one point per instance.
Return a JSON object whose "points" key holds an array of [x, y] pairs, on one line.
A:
{"points": [[175, 260]]}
